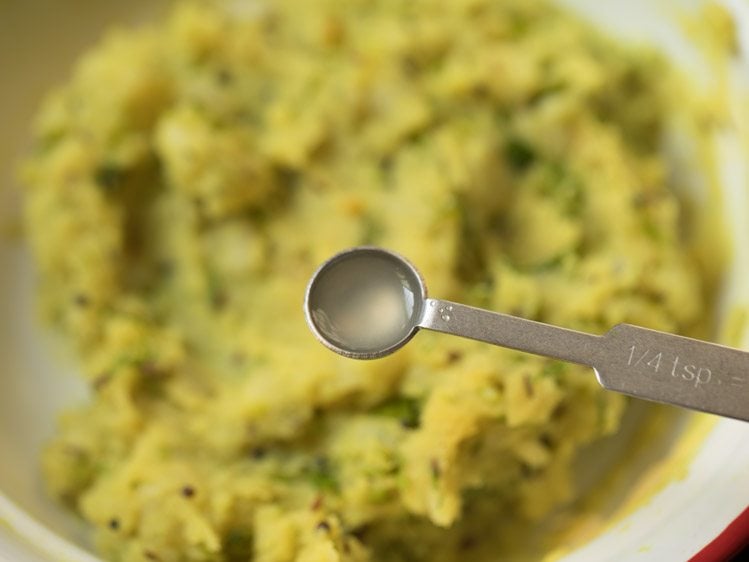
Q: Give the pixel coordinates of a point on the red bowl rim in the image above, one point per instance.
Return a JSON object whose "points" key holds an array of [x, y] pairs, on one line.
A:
{"points": [[728, 543]]}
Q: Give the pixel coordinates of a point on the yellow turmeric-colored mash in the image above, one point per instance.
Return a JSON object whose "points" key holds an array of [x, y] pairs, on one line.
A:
{"points": [[192, 174]]}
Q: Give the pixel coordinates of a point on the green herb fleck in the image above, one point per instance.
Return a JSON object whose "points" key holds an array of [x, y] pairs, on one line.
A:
{"points": [[216, 292], [651, 230], [519, 154], [435, 470], [554, 262], [546, 91], [237, 545], [109, 176], [405, 409], [471, 265], [564, 188], [553, 369], [321, 475], [372, 230]]}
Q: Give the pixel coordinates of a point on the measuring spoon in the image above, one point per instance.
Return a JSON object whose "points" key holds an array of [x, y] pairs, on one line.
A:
{"points": [[367, 302]]}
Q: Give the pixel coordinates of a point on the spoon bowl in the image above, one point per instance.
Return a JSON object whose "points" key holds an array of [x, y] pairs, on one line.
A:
{"points": [[365, 303]]}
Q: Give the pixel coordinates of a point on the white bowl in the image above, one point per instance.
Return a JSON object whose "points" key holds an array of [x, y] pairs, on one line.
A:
{"points": [[38, 41]]}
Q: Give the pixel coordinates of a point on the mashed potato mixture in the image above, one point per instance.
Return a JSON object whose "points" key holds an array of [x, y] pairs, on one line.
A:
{"points": [[192, 174]]}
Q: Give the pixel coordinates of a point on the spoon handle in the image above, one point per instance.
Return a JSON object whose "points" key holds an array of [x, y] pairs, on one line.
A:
{"points": [[675, 369], [510, 331], [628, 359]]}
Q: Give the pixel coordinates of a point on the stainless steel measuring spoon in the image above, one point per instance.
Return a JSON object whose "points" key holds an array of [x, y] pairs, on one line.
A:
{"points": [[367, 302]]}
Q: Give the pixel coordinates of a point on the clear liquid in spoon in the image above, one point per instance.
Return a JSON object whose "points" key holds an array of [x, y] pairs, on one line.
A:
{"points": [[365, 303]]}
